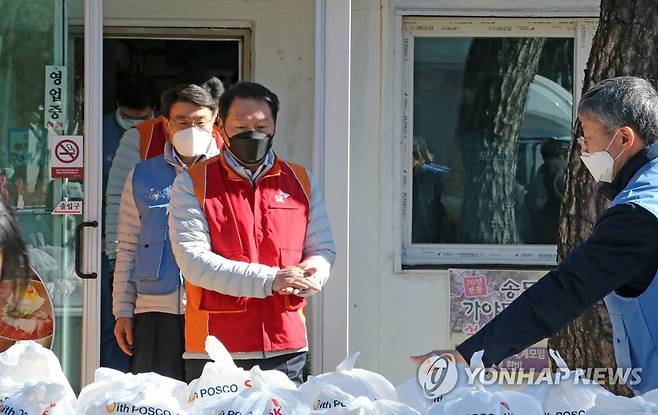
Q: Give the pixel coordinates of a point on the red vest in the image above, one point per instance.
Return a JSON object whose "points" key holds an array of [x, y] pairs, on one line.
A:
{"points": [[153, 135], [264, 224]]}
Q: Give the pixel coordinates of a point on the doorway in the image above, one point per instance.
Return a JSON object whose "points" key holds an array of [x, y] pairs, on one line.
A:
{"points": [[160, 56], [163, 55]]}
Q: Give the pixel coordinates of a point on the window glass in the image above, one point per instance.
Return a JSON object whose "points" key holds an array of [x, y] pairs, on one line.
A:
{"points": [[41, 92], [492, 124]]}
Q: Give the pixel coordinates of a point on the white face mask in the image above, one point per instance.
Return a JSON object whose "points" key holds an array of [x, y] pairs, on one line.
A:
{"points": [[191, 142], [600, 164], [127, 123]]}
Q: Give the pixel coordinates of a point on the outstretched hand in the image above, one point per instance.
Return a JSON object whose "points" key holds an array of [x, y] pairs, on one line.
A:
{"points": [[458, 358]]}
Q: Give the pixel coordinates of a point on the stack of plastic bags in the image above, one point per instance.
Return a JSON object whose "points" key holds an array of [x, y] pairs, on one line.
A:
{"points": [[347, 390], [32, 383]]}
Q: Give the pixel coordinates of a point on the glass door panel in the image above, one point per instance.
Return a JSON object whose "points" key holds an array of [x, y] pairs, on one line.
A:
{"points": [[41, 99]]}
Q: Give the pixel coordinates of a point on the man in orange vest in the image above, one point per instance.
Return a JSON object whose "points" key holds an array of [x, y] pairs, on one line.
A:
{"points": [[251, 236], [142, 142], [148, 297]]}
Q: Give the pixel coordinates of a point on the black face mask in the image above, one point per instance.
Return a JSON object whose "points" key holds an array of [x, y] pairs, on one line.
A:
{"points": [[250, 147]]}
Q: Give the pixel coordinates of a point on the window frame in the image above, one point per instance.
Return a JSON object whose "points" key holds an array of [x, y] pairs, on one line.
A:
{"points": [[448, 255]]}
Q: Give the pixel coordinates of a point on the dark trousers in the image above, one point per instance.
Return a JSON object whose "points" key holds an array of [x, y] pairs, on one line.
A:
{"points": [[159, 344], [111, 355], [290, 364]]}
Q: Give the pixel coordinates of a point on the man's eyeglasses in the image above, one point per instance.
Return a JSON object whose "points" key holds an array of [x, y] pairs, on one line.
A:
{"points": [[184, 123]]}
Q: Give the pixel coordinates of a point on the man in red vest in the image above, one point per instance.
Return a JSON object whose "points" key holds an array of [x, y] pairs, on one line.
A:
{"points": [[252, 238]]}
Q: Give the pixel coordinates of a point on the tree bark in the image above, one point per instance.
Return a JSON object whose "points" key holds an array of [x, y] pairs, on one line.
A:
{"points": [[490, 123], [624, 44]]}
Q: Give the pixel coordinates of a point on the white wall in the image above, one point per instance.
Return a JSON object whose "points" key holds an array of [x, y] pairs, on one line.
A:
{"points": [[396, 314], [282, 50]]}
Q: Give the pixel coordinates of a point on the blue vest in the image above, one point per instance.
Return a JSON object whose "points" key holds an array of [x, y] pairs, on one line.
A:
{"points": [[155, 271], [635, 320]]}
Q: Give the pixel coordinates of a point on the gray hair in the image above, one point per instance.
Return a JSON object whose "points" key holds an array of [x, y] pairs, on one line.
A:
{"points": [[623, 101]]}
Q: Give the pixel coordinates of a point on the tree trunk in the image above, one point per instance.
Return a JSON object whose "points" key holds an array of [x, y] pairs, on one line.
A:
{"points": [[490, 123], [624, 44], [556, 62]]}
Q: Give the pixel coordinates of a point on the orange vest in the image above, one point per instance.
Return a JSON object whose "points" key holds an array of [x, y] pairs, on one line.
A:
{"points": [[264, 224], [153, 135]]}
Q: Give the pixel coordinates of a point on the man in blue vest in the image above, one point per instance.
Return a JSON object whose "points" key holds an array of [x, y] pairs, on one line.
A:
{"points": [[148, 298], [619, 261], [134, 99]]}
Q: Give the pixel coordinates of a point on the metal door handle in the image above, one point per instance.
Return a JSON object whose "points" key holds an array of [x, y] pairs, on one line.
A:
{"points": [[78, 250]]}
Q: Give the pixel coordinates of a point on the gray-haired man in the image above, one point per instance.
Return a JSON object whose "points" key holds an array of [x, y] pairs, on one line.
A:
{"points": [[619, 261]]}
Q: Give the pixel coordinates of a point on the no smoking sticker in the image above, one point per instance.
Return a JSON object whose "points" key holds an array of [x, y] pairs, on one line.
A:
{"points": [[67, 151], [66, 159]]}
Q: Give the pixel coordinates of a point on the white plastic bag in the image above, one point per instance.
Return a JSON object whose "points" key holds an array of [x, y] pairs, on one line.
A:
{"points": [[411, 392], [569, 392], [646, 404], [364, 406], [223, 379], [481, 401], [8, 388], [618, 405], [27, 362], [39, 399], [477, 399], [320, 396], [651, 396], [359, 382], [145, 393], [220, 378], [263, 398]]}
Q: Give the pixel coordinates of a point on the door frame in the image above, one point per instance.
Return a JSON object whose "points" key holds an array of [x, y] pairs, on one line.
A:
{"points": [[93, 185], [330, 341]]}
